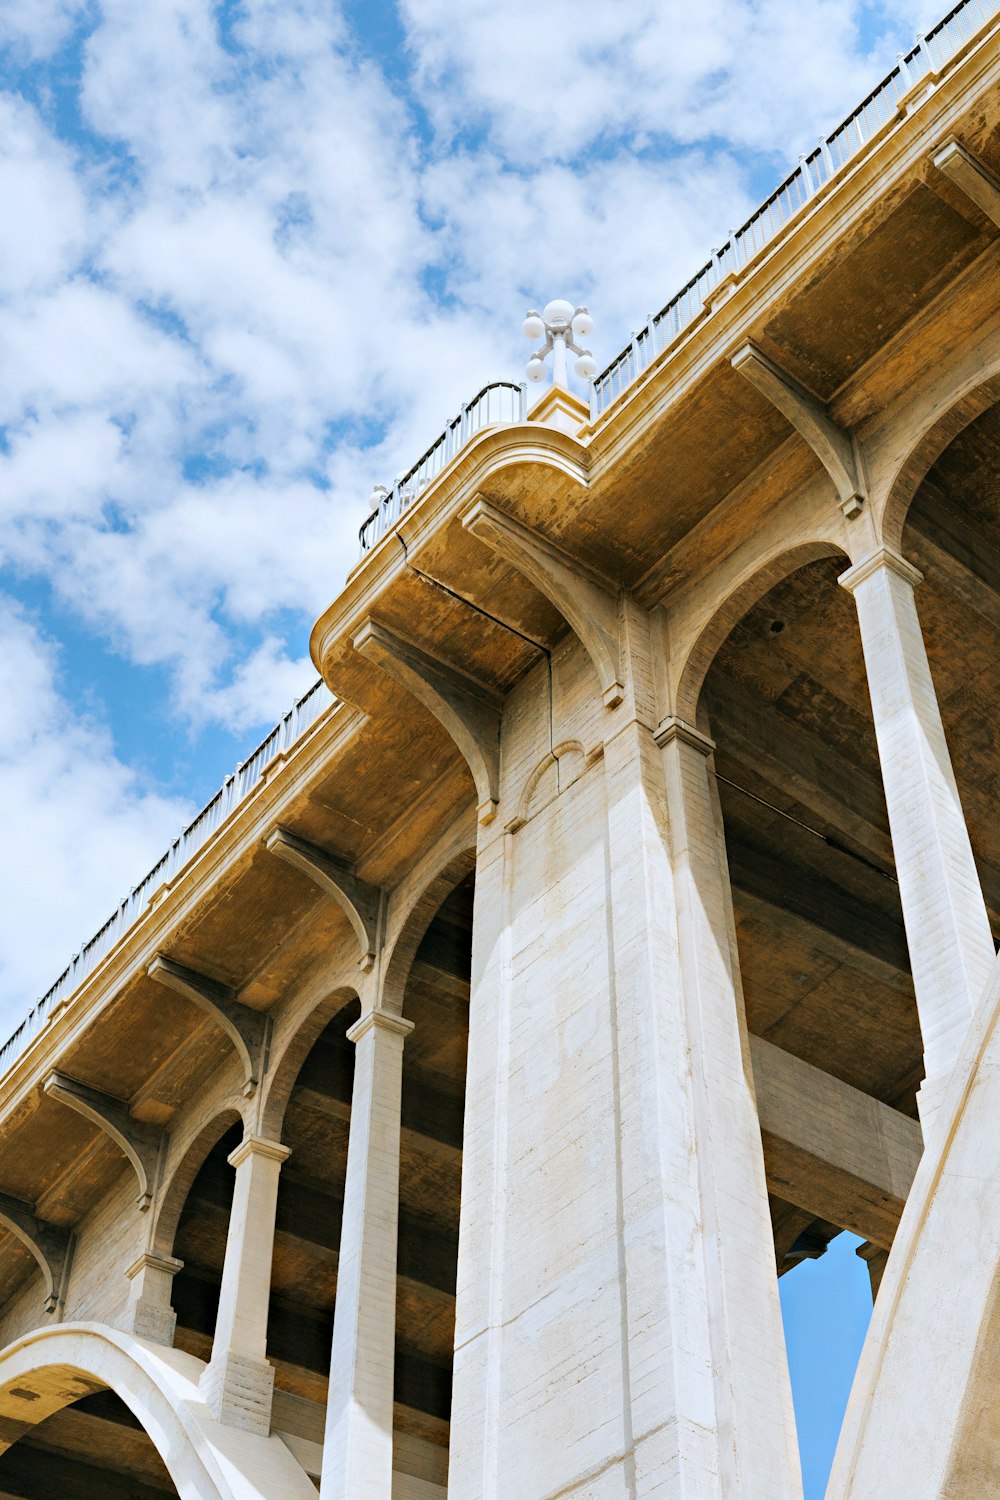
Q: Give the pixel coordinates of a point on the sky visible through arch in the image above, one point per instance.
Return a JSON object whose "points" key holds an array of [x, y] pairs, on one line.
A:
{"points": [[252, 257]]}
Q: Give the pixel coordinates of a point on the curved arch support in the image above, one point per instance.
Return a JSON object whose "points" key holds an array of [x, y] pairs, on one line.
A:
{"points": [[587, 601], [50, 1368], [140, 1143], [468, 709], [454, 864], [51, 1246], [357, 900], [834, 447], [246, 1029]]}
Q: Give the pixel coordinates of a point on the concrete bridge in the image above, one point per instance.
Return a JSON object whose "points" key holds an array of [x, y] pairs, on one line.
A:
{"points": [[622, 932]]}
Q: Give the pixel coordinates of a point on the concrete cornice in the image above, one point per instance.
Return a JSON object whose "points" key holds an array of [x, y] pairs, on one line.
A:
{"points": [[485, 456]]}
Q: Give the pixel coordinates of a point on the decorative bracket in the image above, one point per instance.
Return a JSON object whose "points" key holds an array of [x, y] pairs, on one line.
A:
{"points": [[971, 177], [51, 1246], [358, 900], [140, 1143], [247, 1029], [808, 415], [582, 596], [468, 709]]}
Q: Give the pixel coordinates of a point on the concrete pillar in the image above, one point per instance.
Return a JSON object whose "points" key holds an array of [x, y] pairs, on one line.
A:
{"points": [[947, 929], [150, 1314], [238, 1381], [742, 1334], [618, 1330], [357, 1449]]}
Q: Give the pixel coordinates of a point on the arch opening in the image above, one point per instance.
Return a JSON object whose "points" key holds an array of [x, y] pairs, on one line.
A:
{"points": [[434, 994], [93, 1447], [821, 948]]}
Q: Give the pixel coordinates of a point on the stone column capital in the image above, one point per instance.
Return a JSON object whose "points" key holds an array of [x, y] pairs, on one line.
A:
{"points": [[150, 1262], [679, 729], [384, 1020], [882, 557], [257, 1145]]}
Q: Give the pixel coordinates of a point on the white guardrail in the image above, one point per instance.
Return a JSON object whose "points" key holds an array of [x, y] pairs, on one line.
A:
{"points": [[930, 54], [502, 404], [499, 404], [234, 790]]}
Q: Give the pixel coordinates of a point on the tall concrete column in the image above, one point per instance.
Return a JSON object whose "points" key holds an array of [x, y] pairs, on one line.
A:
{"points": [[238, 1381], [617, 1329], [947, 929], [357, 1450], [751, 1394]]}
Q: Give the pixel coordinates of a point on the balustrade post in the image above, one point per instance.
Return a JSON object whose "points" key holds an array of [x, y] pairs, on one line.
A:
{"points": [[357, 1450], [947, 928]]}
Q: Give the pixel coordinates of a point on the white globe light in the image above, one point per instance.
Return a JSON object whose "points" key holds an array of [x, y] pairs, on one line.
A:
{"points": [[586, 367], [533, 327], [583, 323], [559, 313], [535, 369]]}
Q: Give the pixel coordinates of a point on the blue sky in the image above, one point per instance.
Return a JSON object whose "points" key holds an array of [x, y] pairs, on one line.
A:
{"points": [[252, 257]]}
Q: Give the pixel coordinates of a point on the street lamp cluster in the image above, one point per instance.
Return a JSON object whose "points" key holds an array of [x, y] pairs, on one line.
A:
{"points": [[560, 324]]}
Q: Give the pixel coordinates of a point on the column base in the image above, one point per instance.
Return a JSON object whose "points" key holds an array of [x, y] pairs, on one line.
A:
{"points": [[930, 1097], [154, 1323], [238, 1392]]}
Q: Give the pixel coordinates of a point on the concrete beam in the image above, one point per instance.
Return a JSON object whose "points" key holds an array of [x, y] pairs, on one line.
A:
{"points": [[412, 1138], [247, 1029], [971, 176], [359, 901], [831, 1150], [141, 1144]]}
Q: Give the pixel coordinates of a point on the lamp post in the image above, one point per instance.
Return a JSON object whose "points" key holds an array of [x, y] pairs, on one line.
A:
{"points": [[560, 324]]}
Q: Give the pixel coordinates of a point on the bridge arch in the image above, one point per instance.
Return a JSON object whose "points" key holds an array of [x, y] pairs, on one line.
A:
{"points": [[50, 1368], [747, 591], [946, 422]]}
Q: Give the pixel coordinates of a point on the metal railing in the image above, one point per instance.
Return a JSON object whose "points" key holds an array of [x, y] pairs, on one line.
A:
{"points": [[500, 403], [834, 151], [234, 790]]}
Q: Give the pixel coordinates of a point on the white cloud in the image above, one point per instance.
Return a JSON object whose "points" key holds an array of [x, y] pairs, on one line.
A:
{"points": [[36, 28], [42, 227], [551, 81], [78, 824]]}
